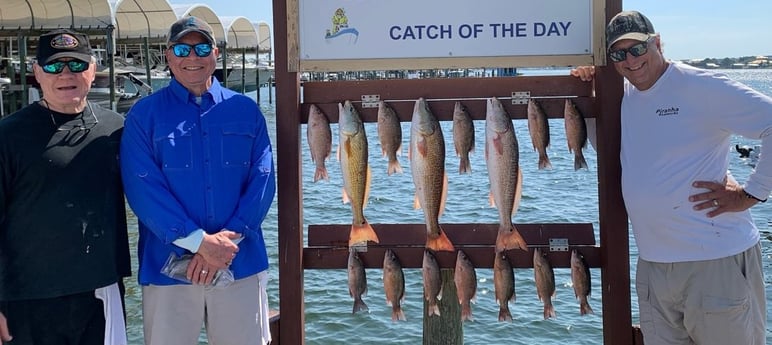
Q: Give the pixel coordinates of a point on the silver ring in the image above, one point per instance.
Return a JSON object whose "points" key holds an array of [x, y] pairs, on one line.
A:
{"points": [[715, 202], [204, 272]]}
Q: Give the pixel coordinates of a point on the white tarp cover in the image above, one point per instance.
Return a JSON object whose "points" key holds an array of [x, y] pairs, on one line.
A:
{"points": [[142, 18], [241, 33], [16, 15]]}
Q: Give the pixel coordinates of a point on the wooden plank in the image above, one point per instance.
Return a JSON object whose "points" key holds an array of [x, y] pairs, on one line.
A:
{"points": [[442, 94], [411, 257], [440, 63], [328, 244], [459, 234]]}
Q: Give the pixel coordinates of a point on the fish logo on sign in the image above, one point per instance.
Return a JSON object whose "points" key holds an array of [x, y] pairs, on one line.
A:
{"points": [[64, 41], [340, 26]]}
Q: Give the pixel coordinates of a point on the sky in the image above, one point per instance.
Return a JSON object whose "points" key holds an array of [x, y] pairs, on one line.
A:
{"points": [[689, 29]]}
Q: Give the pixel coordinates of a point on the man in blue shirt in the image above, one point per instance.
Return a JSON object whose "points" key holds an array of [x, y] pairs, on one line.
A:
{"points": [[198, 172]]}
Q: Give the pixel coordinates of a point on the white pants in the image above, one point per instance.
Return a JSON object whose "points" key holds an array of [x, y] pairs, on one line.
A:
{"points": [[233, 315]]}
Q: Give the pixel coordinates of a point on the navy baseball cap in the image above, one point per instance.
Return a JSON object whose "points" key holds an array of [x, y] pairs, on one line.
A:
{"points": [[186, 25]]}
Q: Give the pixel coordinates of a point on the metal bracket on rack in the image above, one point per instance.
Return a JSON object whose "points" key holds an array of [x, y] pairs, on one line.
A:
{"points": [[521, 97], [370, 101], [558, 244]]}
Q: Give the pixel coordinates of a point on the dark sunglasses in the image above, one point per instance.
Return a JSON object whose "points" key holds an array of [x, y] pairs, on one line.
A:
{"points": [[637, 50], [56, 67], [183, 50]]}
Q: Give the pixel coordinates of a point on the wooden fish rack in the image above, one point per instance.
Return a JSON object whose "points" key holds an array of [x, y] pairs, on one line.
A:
{"points": [[327, 243]]}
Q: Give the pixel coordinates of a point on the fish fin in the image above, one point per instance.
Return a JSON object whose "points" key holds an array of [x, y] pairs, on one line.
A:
{"points": [[416, 202], [510, 239], [337, 152], [346, 198], [464, 167], [421, 146], [444, 196], [466, 312], [383, 151], [549, 311], [440, 242], [397, 314], [362, 233], [498, 145], [518, 191], [399, 149], [368, 179], [434, 310], [504, 314], [359, 305], [579, 161], [544, 162], [394, 167], [584, 308], [491, 200], [321, 174]]}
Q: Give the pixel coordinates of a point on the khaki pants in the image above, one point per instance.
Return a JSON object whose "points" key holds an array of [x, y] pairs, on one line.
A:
{"points": [[712, 302], [174, 314]]}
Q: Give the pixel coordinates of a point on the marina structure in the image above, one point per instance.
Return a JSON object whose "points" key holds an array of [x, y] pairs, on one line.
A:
{"points": [[128, 37]]}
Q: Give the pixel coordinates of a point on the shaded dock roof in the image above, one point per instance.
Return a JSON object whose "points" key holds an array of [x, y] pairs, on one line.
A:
{"points": [[132, 20]]}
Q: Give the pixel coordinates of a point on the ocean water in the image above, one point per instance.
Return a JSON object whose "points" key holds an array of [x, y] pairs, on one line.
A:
{"points": [[557, 195]]}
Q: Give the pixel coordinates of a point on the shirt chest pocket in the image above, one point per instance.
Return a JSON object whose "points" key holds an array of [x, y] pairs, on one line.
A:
{"points": [[236, 148], [175, 150]]}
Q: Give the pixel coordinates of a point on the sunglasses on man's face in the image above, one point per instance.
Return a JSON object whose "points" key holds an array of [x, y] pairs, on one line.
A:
{"points": [[637, 50], [183, 50], [57, 66]]}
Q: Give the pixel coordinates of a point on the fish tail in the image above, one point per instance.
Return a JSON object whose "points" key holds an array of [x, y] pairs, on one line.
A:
{"points": [[504, 314], [544, 162], [464, 167], [362, 233], [439, 242], [359, 305], [397, 314], [579, 161], [549, 311], [321, 173], [510, 239], [584, 308], [394, 167], [433, 309], [466, 312]]}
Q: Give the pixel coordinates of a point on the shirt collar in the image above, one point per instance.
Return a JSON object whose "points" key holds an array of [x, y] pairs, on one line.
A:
{"points": [[215, 91]]}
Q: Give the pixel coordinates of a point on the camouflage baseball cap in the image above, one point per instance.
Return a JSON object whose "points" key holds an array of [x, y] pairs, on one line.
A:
{"points": [[628, 25]]}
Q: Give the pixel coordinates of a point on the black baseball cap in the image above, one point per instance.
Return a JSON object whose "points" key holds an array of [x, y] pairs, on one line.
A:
{"points": [[186, 25], [628, 25], [63, 43]]}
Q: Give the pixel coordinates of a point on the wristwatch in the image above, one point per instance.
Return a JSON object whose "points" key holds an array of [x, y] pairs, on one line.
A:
{"points": [[749, 196]]}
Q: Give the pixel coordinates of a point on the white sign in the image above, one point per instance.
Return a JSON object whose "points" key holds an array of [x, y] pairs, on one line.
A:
{"points": [[376, 29]]}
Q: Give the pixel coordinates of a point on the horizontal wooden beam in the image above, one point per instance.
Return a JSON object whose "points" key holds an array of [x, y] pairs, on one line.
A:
{"points": [[442, 95], [328, 245]]}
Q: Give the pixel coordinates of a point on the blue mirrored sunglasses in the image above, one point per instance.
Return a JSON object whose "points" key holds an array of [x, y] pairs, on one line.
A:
{"points": [[183, 50], [637, 50], [56, 66]]}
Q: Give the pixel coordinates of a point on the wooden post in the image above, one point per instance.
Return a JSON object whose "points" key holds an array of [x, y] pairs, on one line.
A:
{"points": [[290, 197], [446, 329]]}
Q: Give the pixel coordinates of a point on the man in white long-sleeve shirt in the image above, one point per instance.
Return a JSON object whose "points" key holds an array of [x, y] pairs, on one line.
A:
{"points": [[699, 277]]}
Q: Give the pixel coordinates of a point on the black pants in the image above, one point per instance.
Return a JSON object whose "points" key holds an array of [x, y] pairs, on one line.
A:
{"points": [[67, 320]]}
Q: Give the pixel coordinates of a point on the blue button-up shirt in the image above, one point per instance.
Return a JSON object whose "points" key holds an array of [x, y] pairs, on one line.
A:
{"points": [[191, 164]]}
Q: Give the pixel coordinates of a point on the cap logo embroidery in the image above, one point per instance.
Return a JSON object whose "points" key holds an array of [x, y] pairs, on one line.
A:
{"points": [[191, 22], [64, 41]]}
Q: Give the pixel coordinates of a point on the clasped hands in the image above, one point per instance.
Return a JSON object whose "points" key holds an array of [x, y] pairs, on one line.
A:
{"points": [[216, 251]]}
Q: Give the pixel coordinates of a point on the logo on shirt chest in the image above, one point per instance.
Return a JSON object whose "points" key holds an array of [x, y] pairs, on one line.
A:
{"points": [[667, 111]]}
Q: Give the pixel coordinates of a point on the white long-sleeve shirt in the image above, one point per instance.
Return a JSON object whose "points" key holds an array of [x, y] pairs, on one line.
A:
{"points": [[678, 132]]}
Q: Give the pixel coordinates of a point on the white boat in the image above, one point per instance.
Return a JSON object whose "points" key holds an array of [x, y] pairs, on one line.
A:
{"points": [[128, 89]]}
